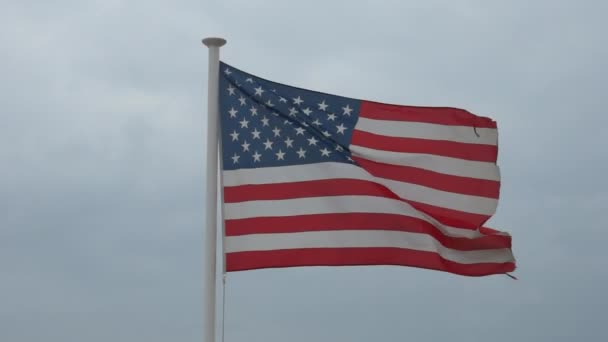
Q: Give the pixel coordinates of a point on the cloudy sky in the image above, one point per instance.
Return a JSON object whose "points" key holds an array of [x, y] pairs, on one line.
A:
{"points": [[102, 165]]}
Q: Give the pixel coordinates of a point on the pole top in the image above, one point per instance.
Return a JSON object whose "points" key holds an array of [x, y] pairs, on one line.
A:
{"points": [[214, 41]]}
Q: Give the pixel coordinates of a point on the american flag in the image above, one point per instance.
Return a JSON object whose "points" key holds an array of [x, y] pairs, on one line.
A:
{"points": [[313, 179]]}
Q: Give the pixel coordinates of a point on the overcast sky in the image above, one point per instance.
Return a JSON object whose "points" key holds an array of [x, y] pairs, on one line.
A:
{"points": [[102, 126]]}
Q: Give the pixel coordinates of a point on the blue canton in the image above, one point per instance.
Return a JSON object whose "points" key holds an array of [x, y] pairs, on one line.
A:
{"points": [[270, 124]]}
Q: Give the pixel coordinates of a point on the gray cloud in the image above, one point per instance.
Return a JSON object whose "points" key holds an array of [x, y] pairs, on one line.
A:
{"points": [[101, 166]]}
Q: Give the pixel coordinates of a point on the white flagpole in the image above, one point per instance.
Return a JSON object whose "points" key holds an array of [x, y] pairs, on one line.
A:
{"points": [[209, 281]]}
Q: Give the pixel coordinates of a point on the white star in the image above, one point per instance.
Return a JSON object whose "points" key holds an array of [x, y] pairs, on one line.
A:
{"points": [[276, 131], [274, 113], [331, 117], [259, 91], [293, 111], [307, 111], [264, 121], [256, 156], [349, 158], [233, 112], [317, 122], [326, 133], [245, 146], [287, 122], [312, 141], [268, 144], [289, 142], [231, 90], [235, 158], [305, 124], [298, 100], [242, 100], [256, 133], [254, 111], [234, 135], [269, 103], [249, 79], [280, 155], [325, 152], [341, 128], [282, 99], [347, 110], [301, 153], [227, 71], [299, 130], [244, 123], [339, 148], [322, 105]]}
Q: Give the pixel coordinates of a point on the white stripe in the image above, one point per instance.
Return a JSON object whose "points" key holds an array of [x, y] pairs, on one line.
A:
{"points": [[363, 239], [440, 164], [419, 130], [293, 173], [443, 199], [337, 205], [332, 170]]}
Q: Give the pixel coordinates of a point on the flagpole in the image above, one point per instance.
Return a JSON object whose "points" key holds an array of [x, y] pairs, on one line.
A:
{"points": [[210, 252]]}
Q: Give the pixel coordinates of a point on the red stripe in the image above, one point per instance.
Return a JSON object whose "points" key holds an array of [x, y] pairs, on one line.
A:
{"points": [[360, 221], [435, 180], [241, 261], [450, 217], [315, 188], [435, 115], [476, 152]]}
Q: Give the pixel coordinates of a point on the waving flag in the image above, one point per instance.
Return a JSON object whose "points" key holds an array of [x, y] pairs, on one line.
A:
{"points": [[313, 179]]}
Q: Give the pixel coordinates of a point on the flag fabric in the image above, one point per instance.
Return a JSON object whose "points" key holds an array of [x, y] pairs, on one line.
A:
{"points": [[314, 179]]}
